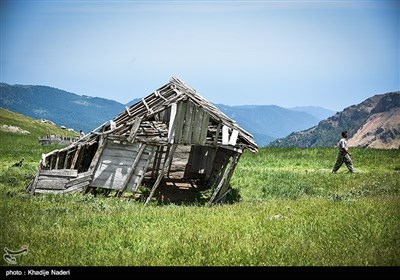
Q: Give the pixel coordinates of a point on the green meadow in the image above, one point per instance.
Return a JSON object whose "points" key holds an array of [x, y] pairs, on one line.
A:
{"points": [[286, 209]]}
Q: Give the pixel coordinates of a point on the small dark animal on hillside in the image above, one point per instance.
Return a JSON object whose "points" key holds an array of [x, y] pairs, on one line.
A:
{"points": [[18, 164]]}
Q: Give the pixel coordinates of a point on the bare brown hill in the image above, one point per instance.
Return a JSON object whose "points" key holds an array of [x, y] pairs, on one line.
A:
{"points": [[374, 123]]}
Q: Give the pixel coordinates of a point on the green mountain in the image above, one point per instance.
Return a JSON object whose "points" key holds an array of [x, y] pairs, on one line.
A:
{"points": [[373, 123], [266, 122], [61, 107]]}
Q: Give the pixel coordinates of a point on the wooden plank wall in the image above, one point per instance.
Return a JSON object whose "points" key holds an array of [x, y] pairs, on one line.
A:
{"points": [[179, 162], [224, 183], [78, 157], [140, 168], [61, 181], [191, 124], [200, 162], [188, 161], [114, 165], [220, 162]]}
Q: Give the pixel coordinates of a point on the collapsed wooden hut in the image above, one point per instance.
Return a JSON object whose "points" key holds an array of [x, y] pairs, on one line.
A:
{"points": [[173, 137]]}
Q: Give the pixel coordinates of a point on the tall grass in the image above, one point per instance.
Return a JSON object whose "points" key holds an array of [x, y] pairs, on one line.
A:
{"points": [[81, 230], [292, 212]]}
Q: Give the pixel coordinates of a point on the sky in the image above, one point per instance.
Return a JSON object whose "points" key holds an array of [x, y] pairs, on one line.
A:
{"points": [[331, 54]]}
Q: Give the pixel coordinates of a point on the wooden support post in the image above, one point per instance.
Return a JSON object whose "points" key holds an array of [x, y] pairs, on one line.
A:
{"points": [[76, 157], [224, 189], [95, 160], [100, 148], [217, 133], [222, 196], [153, 150], [134, 129], [225, 178], [161, 174], [32, 186], [129, 175]]}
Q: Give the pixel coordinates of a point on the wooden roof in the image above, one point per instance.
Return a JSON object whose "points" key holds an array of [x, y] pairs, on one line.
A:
{"points": [[161, 99]]}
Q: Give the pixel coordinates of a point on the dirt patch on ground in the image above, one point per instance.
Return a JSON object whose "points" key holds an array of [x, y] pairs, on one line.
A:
{"points": [[180, 191], [13, 129]]}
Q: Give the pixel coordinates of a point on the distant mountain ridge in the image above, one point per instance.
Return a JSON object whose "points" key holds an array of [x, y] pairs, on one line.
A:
{"points": [[62, 107], [265, 122], [318, 112], [268, 122], [374, 123]]}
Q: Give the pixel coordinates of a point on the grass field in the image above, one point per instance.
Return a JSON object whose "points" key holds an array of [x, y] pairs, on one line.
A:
{"points": [[292, 212]]}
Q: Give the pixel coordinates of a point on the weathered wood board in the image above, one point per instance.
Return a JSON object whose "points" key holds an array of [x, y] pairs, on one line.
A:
{"points": [[140, 168], [67, 173], [115, 163]]}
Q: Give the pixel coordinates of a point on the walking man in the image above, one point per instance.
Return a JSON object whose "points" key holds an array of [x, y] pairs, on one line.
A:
{"points": [[344, 154]]}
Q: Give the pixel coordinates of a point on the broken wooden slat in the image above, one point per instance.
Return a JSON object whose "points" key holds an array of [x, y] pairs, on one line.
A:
{"points": [[225, 179], [233, 138], [147, 106], [77, 187], [44, 160], [225, 186], [102, 144], [204, 128], [138, 177], [57, 160], [179, 121], [157, 93], [162, 173], [225, 135], [234, 149], [127, 111], [171, 128], [78, 180], [52, 184], [76, 155], [68, 173], [222, 196], [217, 133], [135, 127], [135, 162], [117, 155], [158, 159], [187, 128], [197, 122], [43, 191], [51, 161], [65, 165], [31, 187]]}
